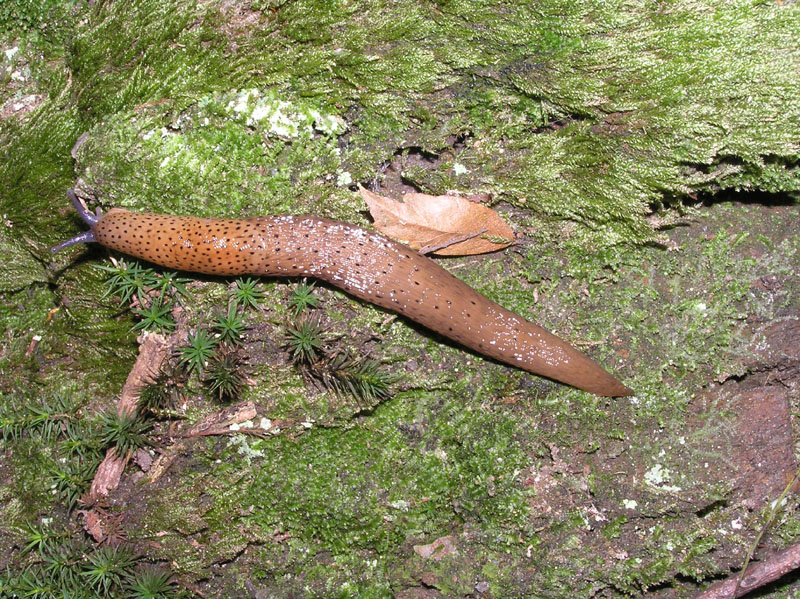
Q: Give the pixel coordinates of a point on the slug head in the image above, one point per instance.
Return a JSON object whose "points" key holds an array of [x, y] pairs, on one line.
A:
{"points": [[87, 217]]}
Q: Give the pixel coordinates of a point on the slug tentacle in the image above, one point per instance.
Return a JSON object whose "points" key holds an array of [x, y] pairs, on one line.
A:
{"points": [[87, 217], [366, 265], [85, 237]]}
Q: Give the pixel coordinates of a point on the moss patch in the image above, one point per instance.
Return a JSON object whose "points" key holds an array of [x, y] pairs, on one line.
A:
{"points": [[413, 469], [590, 126]]}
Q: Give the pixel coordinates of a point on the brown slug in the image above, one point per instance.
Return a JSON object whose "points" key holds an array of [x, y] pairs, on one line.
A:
{"points": [[366, 265]]}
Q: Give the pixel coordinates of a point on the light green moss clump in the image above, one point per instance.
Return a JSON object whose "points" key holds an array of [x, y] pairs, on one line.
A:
{"points": [[236, 154], [572, 111]]}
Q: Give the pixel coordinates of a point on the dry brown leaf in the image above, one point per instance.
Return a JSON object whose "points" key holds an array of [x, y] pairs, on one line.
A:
{"points": [[441, 225]]}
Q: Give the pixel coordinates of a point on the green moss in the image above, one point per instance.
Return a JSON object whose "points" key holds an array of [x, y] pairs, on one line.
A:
{"points": [[26, 16], [368, 484], [31, 491], [21, 268], [227, 157], [613, 529], [638, 119], [37, 171], [582, 117], [786, 522], [411, 473]]}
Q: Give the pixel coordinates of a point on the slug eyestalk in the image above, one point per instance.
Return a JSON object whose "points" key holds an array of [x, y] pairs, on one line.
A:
{"points": [[87, 217]]}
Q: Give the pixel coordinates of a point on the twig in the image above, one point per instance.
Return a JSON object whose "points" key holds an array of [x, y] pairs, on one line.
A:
{"points": [[276, 427], [210, 425], [255, 432], [429, 249], [756, 575]]}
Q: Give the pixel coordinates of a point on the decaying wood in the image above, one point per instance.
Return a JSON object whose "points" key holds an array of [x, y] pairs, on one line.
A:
{"points": [[210, 425], [154, 349], [756, 575]]}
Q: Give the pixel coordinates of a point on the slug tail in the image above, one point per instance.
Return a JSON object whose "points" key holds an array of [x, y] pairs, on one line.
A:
{"points": [[560, 361], [582, 373], [589, 376]]}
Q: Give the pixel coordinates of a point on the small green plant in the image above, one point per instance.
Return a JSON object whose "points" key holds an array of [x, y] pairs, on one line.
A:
{"points": [[362, 378], [151, 583], [169, 284], [303, 298], [45, 419], [125, 432], [337, 370], [70, 479], [59, 564], [80, 440], [214, 359], [32, 583], [129, 279], [66, 567], [159, 398], [304, 340], [153, 397], [224, 377], [195, 356], [107, 568], [155, 317], [154, 292], [41, 538], [230, 326], [247, 293], [11, 423]]}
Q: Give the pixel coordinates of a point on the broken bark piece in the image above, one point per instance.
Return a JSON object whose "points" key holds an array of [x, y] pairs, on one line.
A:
{"points": [[211, 424]]}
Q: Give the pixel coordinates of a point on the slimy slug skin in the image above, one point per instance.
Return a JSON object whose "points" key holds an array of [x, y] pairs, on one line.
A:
{"points": [[366, 265]]}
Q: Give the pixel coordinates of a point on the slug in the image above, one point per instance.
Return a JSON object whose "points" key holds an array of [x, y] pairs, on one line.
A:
{"points": [[364, 264]]}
